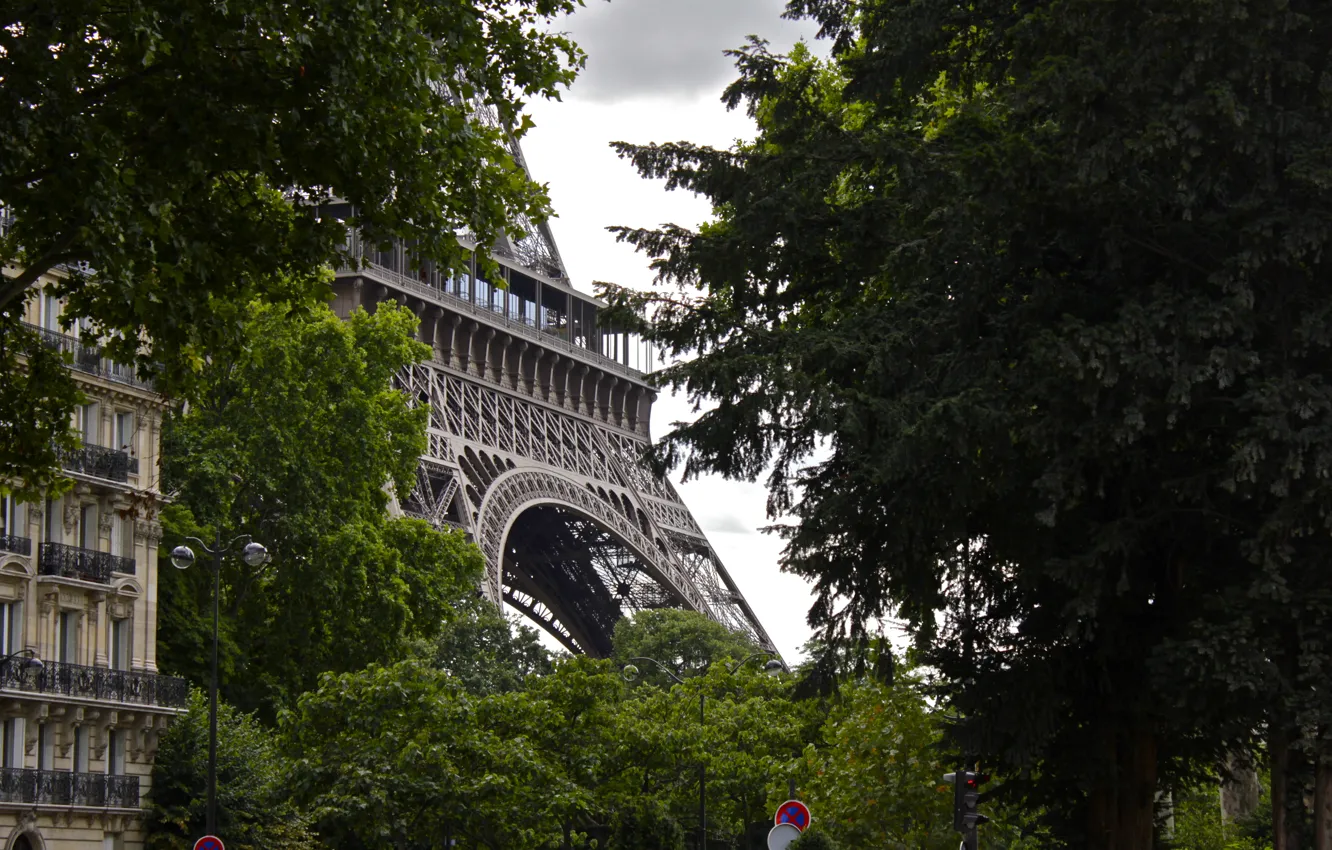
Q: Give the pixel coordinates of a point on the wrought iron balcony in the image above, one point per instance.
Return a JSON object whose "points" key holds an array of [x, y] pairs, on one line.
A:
{"points": [[66, 788], [88, 358], [60, 559], [14, 543], [100, 462], [99, 683]]}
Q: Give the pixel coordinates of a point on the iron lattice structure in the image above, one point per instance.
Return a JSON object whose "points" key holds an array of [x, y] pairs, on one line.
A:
{"points": [[539, 425]]}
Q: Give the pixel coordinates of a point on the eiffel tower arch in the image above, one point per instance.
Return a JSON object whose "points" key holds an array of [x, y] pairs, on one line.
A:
{"points": [[539, 422]]}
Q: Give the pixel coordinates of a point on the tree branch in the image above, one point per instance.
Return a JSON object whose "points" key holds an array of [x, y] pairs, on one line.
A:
{"points": [[14, 287]]}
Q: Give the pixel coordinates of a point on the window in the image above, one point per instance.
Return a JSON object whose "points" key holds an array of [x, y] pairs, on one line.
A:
{"points": [[12, 517], [120, 644], [11, 747], [68, 648], [115, 752], [80, 750], [50, 312], [11, 627], [51, 533], [88, 527], [45, 746], [88, 422], [122, 537], [124, 436]]}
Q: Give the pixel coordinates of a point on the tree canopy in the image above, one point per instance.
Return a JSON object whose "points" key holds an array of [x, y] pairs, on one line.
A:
{"points": [[1046, 280], [294, 443], [167, 158], [254, 805], [483, 650], [686, 642]]}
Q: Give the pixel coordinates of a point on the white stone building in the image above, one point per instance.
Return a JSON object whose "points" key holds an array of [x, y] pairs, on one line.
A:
{"points": [[78, 590]]}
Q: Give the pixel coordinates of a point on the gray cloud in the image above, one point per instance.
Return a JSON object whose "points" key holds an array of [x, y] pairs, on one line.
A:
{"points": [[671, 48]]}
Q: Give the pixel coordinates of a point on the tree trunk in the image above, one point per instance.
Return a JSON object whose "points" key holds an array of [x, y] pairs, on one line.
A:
{"points": [[1322, 808], [1137, 790], [1278, 750], [1102, 802], [1240, 789]]}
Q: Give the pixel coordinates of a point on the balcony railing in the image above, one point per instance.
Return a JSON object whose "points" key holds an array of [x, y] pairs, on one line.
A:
{"points": [[14, 543], [88, 358], [99, 683], [100, 462], [61, 559], [516, 325], [66, 788]]}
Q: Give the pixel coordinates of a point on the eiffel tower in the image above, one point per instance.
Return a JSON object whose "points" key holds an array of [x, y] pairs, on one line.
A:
{"points": [[539, 421]]}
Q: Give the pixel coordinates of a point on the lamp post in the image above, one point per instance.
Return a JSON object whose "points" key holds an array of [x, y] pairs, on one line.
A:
{"points": [[629, 672], [182, 557]]}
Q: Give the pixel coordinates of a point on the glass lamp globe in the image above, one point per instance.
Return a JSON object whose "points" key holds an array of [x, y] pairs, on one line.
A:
{"points": [[182, 557], [629, 672], [774, 668], [254, 554]]}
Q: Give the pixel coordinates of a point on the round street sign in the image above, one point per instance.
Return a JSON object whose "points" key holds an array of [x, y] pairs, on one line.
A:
{"points": [[781, 836], [209, 842], [793, 812]]}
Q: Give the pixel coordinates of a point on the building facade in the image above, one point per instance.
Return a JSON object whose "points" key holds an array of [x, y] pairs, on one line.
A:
{"points": [[78, 593]]}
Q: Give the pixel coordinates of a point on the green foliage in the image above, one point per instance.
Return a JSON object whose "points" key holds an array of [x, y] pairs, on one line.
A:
{"points": [[294, 445], [685, 641], [302, 429], [876, 780], [402, 755], [33, 381], [485, 652], [1198, 824], [1048, 284], [814, 838], [254, 809], [180, 147], [645, 828]]}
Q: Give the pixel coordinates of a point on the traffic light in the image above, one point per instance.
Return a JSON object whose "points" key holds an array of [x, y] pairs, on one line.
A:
{"points": [[966, 794]]}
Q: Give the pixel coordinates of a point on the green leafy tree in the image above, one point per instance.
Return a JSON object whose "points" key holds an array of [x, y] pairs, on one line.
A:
{"points": [[180, 149], [814, 838], [295, 444], [685, 641], [254, 808], [875, 780], [1046, 281], [483, 650], [403, 756]]}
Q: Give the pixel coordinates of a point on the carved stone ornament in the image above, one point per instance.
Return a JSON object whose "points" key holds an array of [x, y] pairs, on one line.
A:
{"points": [[105, 521], [71, 516], [119, 609]]}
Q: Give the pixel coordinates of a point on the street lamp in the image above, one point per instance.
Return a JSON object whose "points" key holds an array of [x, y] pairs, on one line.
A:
{"points": [[30, 660], [182, 557], [629, 672]]}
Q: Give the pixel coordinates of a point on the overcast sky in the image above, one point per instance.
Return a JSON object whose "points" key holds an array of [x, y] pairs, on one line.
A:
{"points": [[655, 73]]}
